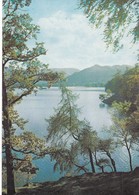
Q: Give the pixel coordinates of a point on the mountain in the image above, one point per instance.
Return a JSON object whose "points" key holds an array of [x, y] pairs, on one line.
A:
{"points": [[67, 71], [95, 76]]}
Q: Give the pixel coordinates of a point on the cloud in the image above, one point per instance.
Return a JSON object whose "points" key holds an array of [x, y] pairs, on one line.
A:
{"points": [[71, 42]]}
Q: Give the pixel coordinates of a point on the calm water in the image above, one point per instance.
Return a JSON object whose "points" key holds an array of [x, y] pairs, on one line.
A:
{"points": [[37, 108]]}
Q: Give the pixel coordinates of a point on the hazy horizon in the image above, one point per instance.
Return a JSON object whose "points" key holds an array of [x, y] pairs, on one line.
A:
{"points": [[105, 65]]}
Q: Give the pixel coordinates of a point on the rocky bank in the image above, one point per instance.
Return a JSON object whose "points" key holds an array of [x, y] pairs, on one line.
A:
{"points": [[121, 183]]}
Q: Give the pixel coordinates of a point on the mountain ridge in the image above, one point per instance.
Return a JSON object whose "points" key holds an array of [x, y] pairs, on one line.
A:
{"points": [[67, 71], [96, 75]]}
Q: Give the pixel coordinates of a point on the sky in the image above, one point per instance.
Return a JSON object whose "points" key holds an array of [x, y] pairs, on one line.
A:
{"points": [[71, 41]]}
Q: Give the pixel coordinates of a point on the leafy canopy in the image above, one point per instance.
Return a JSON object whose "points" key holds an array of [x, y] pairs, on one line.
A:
{"points": [[119, 18], [21, 71], [125, 91]]}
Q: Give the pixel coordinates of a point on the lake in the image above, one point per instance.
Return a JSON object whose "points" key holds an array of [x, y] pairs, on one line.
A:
{"points": [[37, 108]]}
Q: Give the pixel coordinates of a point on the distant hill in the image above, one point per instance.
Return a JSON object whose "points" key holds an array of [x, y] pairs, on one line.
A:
{"points": [[67, 71], [95, 76]]}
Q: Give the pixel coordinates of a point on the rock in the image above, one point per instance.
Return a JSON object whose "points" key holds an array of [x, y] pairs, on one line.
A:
{"points": [[120, 183], [136, 171]]}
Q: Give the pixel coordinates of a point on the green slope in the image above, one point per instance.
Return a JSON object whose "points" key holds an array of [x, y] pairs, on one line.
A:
{"points": [[95, 76]]}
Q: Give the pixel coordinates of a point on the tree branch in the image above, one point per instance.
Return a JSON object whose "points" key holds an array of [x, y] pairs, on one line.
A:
{"points": [[22, 151], [20, 97]]}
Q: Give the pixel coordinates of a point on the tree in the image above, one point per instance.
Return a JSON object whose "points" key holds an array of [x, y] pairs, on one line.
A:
{"points": [[27, 167], [20, 69], [92, 145], [120, 129], [134, 121], [119, 17], [72, 135], [88, 142], [74, 140], [126, 88], [102, 163], [64, 131], [24, 170], [67, 159], [107, 146], [65, 122]]}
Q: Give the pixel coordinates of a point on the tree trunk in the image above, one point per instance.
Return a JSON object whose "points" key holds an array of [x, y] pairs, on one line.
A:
{"points": [[112, 161], [101, 167], [7, 136], [91, 160], [129, 154], [10, 174]]}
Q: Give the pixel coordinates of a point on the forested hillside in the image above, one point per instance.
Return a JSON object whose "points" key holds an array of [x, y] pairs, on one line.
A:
{"points": [[124, 89], [95, 75]]}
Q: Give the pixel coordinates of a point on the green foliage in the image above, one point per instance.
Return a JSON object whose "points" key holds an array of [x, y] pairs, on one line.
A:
{"points": [[125, 89], [64, 159], [28, 143], [116, 16], [134, 121], [27, 168], [124, 112], [65, 121], [65, 131], [123, 135], [106, 145], [103, 162], [107, 95], [74, 140], [88, 139], [24, 170], [25, 76], [121, 109], [21, 71], [17, 30], [115, 83], [120, 119]]}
